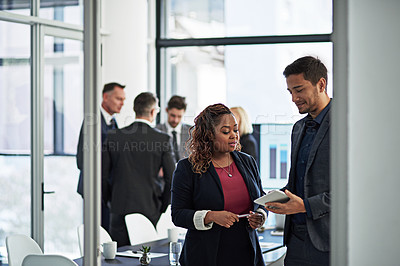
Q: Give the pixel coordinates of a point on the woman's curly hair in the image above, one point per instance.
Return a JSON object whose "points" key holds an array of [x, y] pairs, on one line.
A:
{"points": [[202, 134]]}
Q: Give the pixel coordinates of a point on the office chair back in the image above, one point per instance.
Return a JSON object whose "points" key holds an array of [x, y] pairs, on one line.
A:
{"points": [[47, 260], [104, 237], [140, 229], [165, 223], [18, 247]]}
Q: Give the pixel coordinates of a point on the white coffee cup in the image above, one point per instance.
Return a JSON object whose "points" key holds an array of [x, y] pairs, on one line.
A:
{"points": [[173, 234], [109, 250]]}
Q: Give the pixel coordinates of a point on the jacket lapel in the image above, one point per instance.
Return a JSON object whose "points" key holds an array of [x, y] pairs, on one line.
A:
{"points": [[297, 137], [215, 176], [318, 139]]}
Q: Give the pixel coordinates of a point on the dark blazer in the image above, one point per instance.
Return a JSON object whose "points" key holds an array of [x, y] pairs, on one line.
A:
{"points": [[192, 192], [79, 152], [316, 182], [249, 145], [132, 157], [184, 137]]}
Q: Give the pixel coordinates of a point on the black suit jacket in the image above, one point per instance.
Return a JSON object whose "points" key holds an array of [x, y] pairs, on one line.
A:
{"points": [[249, 145], [192, 192], [132, 157], [316, 182], [79, 152], [184, 137]]}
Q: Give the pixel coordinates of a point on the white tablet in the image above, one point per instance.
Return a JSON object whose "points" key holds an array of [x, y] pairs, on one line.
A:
{"points": [[272, 196]]}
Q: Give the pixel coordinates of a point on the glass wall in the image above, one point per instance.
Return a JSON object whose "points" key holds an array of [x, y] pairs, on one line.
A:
{"points": [[63, 109], [239, 60], [250, 76], [220, 18], [68, 11], [15, 119], [58, 69]]}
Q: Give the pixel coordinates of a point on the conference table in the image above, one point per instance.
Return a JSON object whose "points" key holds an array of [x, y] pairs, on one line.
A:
{"points": [[268, 242]]}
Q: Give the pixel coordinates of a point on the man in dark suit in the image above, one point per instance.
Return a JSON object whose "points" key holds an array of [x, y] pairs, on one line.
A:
{"points": [[307, 225], [179, 131], [132, 158], [113, 100]]}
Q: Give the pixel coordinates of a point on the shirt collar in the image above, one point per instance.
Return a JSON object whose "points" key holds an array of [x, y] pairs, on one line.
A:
{"points": [[321, 115], [178, 128], [144, 121], [106, 115]]}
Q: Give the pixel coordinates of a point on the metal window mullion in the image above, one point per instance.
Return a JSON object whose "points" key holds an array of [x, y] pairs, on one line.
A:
{"points": [[37, 135], [91, 133], [247, 40], [35, 7], [17, 18]]}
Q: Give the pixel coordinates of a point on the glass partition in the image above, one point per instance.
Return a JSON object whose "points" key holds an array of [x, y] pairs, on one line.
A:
{"points": [[242, 75], [68, 11], [63, 109], [232, 18], [15, 120]]}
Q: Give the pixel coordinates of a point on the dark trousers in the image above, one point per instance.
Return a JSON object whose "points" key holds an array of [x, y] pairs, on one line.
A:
{"points": [[235, 248], [118, 230], [300, 250]]}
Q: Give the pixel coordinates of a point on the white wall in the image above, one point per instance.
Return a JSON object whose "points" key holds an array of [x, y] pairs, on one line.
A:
{"points": [[124, 23], [373, 225]]}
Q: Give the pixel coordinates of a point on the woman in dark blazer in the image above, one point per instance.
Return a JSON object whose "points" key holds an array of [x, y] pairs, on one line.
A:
{"points": [[211, 189], [247, 140]]}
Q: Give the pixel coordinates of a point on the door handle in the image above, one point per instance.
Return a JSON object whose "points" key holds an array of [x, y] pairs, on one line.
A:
{"points": [[45, 192]]}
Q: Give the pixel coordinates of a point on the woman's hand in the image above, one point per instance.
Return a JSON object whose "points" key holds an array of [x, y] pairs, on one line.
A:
{"points": [[222, 218], [256, 220]]}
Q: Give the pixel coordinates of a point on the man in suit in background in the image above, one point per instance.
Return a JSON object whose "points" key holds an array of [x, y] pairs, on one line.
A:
{"points": [[179, 131], [132, 158], [113, 100], [307, 226]]}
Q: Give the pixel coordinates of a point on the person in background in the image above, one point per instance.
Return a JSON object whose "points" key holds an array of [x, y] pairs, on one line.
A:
{"points": [[113, 100], [179, 131], [307, 224], [132, 158], [211, 188], [247, 140]]}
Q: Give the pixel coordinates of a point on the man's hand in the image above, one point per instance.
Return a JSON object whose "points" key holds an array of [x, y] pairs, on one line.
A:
{"points": [[293, 206], [222, 218]]}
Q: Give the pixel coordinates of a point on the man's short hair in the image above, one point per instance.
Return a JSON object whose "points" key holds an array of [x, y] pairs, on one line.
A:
{"points": [[143, 103], [110, 86], [177, 102], [312, 69]]}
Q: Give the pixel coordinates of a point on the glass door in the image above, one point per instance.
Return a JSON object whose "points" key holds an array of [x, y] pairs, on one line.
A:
{"points": [[63, 112], [15, 124]]}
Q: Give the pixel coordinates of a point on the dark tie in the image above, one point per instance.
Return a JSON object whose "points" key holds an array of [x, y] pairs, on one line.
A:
{"points": [[113, 124], [175, 143]]}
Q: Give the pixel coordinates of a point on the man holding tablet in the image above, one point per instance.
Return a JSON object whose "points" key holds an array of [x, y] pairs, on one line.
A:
{"points": [[307, 226]]}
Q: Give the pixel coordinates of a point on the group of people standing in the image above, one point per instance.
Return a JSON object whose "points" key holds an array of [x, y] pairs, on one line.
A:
{"points": [[216, 179]]}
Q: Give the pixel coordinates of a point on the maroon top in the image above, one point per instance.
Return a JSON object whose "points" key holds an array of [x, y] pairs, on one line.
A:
{"points": [[236, 195]]}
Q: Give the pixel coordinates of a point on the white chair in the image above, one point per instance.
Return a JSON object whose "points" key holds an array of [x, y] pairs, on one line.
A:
{"points": [[18, 247], [104, 237], [278, 257], [47, 260], [165, 223], [140, 229]]}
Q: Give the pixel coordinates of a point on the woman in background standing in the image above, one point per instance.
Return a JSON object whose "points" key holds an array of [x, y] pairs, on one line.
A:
{"points": [[247, 140]]}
